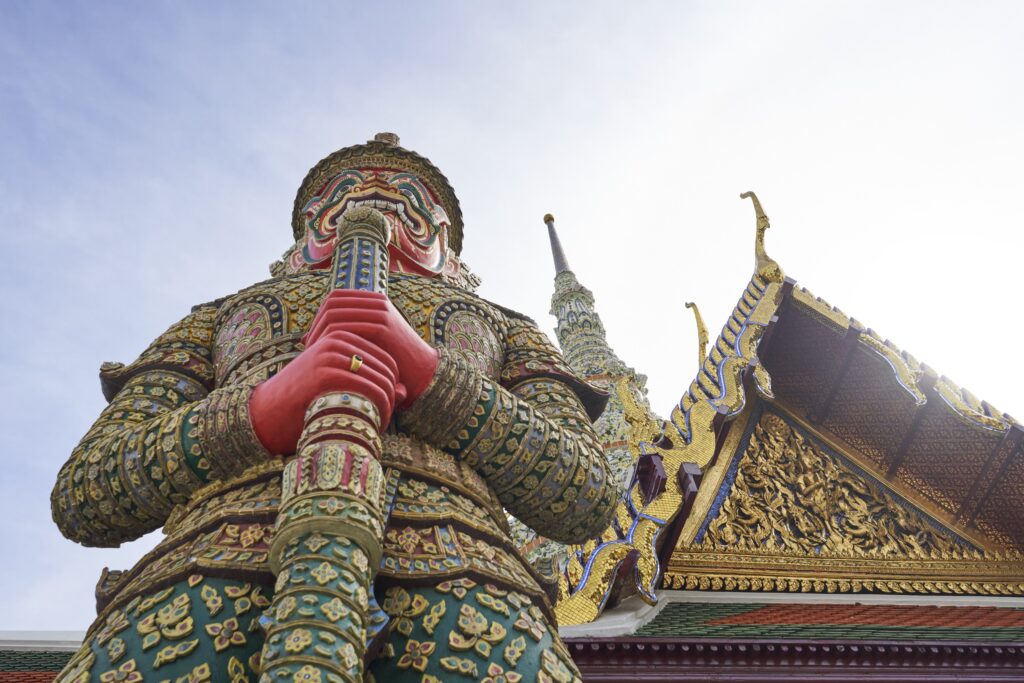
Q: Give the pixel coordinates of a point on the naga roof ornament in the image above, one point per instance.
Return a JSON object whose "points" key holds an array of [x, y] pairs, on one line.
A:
{"points": [[702, 333], [764, 265]]}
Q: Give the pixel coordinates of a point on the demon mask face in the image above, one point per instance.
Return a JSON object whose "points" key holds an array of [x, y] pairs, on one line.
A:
{"points": [[419, 224]]}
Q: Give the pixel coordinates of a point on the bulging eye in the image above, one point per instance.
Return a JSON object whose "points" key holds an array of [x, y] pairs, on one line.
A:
{"points": [[418, 229]]}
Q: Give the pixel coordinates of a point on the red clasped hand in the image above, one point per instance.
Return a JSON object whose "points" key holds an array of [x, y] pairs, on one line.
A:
{"points": [[397, 366], [374, 318]]}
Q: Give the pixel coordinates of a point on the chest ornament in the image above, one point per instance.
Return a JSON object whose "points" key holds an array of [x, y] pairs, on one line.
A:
{"points": [[244, 328], [471, 331]]}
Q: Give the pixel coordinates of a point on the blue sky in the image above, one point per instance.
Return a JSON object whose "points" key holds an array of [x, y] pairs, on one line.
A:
{"points": [[150, 155]]}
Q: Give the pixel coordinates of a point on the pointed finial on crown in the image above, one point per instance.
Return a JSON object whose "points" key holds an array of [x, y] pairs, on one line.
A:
{"points": [[764, 265], [386, 138], [561, 264]]}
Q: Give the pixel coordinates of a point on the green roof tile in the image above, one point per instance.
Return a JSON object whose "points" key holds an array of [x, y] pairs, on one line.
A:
{"points": [[33, 660], [705, 620]]}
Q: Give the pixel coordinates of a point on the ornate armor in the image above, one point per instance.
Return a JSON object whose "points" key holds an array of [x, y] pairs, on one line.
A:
{"points": [[504, 425]]}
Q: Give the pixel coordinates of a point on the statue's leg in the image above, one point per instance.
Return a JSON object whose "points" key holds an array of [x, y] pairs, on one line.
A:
{"points": [[200, 629], [463, 630]]}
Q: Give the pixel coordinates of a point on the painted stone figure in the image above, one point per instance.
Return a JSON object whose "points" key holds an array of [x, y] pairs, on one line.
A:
{"points": [[264, 575]]}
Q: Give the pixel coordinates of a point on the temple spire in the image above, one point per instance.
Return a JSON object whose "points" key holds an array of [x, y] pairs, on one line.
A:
{"points": [[581, 336], [580, 332], [561, 264]]}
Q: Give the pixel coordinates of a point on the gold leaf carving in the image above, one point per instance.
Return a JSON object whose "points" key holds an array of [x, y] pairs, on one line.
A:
{"points": [[688, 437], [791, 496]]}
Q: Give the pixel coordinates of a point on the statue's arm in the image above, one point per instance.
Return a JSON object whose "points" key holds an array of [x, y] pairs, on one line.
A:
{"points": [[163, 435], [530, 439]]}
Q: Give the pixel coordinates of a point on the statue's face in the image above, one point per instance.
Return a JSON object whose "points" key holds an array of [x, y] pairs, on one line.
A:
{"points": [[419, 224]]}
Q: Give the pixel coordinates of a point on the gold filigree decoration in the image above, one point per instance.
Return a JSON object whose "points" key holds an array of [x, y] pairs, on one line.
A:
{"points": [[905, 367], [798, 574], [967, 407], [829, 313], [582, 594], [643, 427], [792, 496], [798, 519], [688, 437]]}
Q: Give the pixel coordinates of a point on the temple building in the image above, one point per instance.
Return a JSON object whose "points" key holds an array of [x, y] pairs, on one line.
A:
{"points": [[818, 505]]}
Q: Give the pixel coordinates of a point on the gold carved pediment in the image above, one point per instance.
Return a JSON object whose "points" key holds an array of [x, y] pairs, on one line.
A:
{"points": [[789, 513]]}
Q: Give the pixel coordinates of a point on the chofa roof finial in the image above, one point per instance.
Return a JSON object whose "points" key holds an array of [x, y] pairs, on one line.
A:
{"points": [[764, 265], [702, 334]]}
